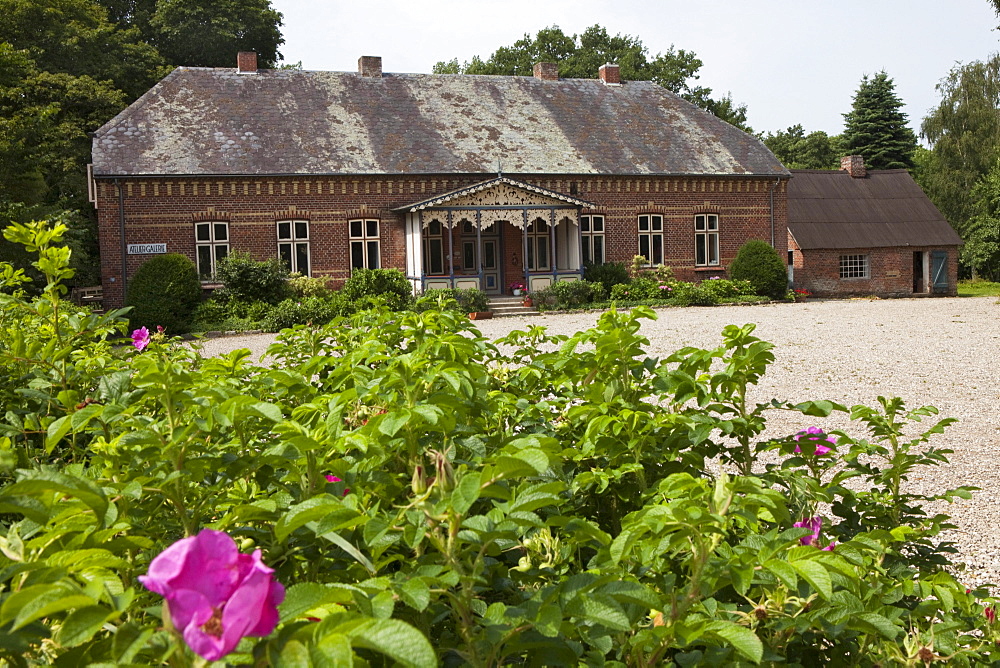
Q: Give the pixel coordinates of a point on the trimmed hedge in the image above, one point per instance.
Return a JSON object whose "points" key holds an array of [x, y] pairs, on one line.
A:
{"points": [[759, 263], [164, 291]]}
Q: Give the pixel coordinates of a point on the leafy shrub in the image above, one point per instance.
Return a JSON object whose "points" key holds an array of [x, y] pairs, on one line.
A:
{"points": [[215, 314], [248, 280], [637, 289], [426, 496], [691, 294], [568, 294], [306, 286], [164, 292], [759, 263], [311, 310], [722, 288], [608, 274], [390, 283], [462, 300]]}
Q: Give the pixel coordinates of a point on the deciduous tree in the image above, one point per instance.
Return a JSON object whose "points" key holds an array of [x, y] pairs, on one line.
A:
{"points": [[964, 135], [209, 33], [798, 150], [580, 56]]}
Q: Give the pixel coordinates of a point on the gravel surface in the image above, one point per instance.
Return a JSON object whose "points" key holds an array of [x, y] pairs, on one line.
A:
{"points": [[942, 352]]}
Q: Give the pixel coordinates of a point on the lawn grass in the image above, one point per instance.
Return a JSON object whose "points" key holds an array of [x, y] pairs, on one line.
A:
{"points": [[978, 288]]}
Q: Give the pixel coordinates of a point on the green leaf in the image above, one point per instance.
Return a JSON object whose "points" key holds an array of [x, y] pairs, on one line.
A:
{"points": [[37, 601], [397, 640], [783, 571], [600, 609], [81, 417], [266, 410], [742, 639], [56, 431], [392, 422], [49, 482], [294, 655], [301, 514], [334, 650], [81, 625], [304, 596], [416, 594], [873, 622], [466, 492], [128, 641], [534, 458], [816, 575]]}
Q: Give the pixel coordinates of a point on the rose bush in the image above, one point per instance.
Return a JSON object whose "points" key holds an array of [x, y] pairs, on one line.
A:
{"points": [[547, 501]]}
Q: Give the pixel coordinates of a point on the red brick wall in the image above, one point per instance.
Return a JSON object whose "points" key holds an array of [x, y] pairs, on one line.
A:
{"points": [[159, 210], [890, 271]]}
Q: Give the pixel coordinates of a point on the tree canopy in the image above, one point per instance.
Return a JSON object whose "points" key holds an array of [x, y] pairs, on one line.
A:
{"points": [[580, 56], [798, 150], [964, 134], [68, 66], [876, 129]]}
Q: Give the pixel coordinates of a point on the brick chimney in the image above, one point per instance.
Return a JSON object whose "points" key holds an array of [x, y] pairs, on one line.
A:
{"points": [[610, 74], [370, 66], [854, 165], [546, 71], [246, 62]]}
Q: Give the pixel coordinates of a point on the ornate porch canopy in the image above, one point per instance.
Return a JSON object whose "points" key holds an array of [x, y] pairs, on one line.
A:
{"points": [[500, 199]]}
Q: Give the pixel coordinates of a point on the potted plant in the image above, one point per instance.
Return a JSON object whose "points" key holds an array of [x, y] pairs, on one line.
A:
{"points": [[802, 295], [527, 302], [516, 288], [477, 304]]}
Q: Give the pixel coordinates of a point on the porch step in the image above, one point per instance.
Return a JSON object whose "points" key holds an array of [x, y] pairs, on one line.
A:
{"points": [[509, 306]]}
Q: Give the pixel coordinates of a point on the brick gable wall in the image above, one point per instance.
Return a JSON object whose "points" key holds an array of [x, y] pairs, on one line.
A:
{"points": [[161, 210]]}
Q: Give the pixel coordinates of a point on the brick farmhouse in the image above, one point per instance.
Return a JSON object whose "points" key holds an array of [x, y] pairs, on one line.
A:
{"points": [[457, 180], [861, 232]]}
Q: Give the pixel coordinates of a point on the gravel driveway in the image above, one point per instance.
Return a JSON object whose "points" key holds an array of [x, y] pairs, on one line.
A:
{"points": [[942, 352]]}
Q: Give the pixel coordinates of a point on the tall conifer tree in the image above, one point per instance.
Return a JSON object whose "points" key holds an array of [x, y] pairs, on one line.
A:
{"points": [[876, 129]]}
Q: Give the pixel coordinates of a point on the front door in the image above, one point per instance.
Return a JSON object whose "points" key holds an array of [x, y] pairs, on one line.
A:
{"points": [[490, 254]]}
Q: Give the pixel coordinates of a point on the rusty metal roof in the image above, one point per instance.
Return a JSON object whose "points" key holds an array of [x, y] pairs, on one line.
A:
{"points": [[830, 209], [201, 121]]}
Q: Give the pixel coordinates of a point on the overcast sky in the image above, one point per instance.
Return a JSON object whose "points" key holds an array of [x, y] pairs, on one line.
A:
{"points": [[789, 61]]}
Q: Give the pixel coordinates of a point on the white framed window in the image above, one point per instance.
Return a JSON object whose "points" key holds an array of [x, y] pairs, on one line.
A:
{"points": [[538, 245], [365, 251], [651, 238], [706, 239], [592, 233], [293, 245], [211, 242], [434, 248], [854, 266]]}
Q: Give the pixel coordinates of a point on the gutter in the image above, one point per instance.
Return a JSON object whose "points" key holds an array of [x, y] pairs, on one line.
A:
{"points": [[771, 195], [121, 233]]}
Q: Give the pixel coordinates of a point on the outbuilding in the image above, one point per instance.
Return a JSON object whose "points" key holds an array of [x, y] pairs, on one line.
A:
{"points": [[858, 232]]}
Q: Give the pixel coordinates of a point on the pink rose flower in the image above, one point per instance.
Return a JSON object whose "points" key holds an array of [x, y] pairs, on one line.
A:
{"points": [[815, 435], [140, 338], [333, 478], [214, 595], [814, 524]]}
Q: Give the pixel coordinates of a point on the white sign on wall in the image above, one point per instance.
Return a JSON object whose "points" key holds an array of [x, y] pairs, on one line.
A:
{"points": [[146, 249]]}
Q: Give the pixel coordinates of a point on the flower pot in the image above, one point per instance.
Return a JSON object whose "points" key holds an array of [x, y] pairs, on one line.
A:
{"points": [[517, 292], [527, 303], [481, 315]]}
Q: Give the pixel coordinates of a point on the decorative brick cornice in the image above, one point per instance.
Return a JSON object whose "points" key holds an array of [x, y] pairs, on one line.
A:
{"points": [[210, 215]]}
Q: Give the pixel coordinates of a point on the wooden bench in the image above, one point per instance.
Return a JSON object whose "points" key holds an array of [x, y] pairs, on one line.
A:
{"points": [[88, 296]]}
